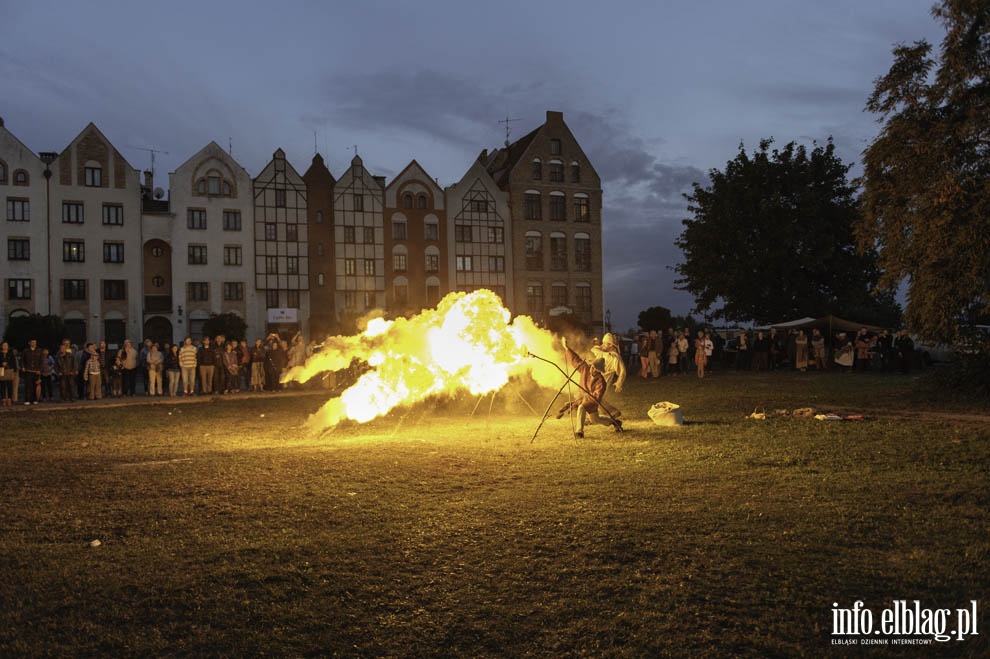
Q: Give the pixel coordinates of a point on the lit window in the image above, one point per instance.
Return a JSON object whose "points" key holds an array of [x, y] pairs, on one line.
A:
{"points": [[399, 262], [73, 251], [463, 263], [369, 267], [350, 266], [582, 209]]}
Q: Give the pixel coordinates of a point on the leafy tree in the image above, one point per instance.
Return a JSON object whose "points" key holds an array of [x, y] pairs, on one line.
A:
{"points": [[655, 318], [926, 198], [772, 239], [47, 330], [228, 323]]}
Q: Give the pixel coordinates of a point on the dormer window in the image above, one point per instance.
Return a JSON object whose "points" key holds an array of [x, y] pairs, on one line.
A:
{"points": [[213, 185], [407, 200], [421, 201], [555, 147], [93, 176], [537, 170]]}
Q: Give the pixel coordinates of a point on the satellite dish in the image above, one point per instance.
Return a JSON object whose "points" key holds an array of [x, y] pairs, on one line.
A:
{"points": [[159, 193]]}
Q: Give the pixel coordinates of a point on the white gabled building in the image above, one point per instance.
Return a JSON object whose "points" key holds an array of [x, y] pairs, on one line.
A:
{"points": [[206, 264], [94, 220], [479, 234], [24, 258], [281, 247], [359, 241]]}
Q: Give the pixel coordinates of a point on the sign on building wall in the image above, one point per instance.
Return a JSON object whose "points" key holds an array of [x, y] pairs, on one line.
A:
{"points": [[282, 315]]}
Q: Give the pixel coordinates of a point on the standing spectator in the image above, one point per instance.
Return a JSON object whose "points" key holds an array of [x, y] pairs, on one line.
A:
{"points": [[633, 354], [154, 363], [68, 370], [656, 349], [279, 356], [775, 350], [863, 343], [742, 353], [173, 369], [683, 348], [258, 359], [47, 375], [31, 370], [885, 348], [129, 359], [231, 368], [116, 375], [904, 351], [143, 363], [187, 362], [106, 361], [843, 351], [644, 355], [801, 351], [700, 357], [818, 350], [207, 359], [219, 372], [672, 357], [709, 351], [92, 375], [244, 355], [8, 367]]}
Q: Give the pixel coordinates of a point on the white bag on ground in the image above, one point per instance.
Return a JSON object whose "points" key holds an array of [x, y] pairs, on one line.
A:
{"points": [[666, 414]]}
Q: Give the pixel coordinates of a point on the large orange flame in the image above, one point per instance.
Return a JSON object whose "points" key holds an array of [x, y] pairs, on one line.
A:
{"points": [[466, 344]]}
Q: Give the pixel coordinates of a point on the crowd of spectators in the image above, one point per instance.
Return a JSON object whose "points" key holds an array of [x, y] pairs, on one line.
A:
{"points": [[677, 352], [207, 366]]}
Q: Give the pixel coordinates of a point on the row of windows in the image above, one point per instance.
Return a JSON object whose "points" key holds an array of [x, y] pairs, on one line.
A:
{"points": [[73, 212], [92, 176], [421, 201], [533, 207], [400, 260], [72, 289], [469, 263], [21, 177], [431, 230], [555, 171], [196, 219], [400, 293], [558, 252], [558, 297], [464, 233], [368, 267]]}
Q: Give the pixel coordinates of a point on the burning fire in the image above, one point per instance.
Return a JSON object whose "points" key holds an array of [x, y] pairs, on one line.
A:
{"points": [[465, 344]]}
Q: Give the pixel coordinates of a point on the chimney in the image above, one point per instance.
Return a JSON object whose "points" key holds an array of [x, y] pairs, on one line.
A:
{"points": [[555, 116]]}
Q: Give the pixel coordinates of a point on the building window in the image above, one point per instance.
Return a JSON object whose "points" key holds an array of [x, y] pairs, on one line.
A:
{"points": [[232, 255], [201, 186], [196, 218], [496, 264], [534, 297], [197, 255], [496, 235], [18, 249], [73, 289], [271, 231], [537, 170], [432, 262], [558, 207], [231, 220], [432, 294], [532, 208], [431, 231], [113, 252], [93, 177], [73, 251], [72, 212], [271, 265], [369, 235], [319, 249], [582, 209], [556, 172], [358, 202], [398, 230], [279, 198], [271, 299], [555, 147], [582, 252], [575, 173], [582, 297], [3, 172], [18, 289], [321, 279], [558, 252], [558, 295], [198, 291], [114, 289], [464, 264], [18, 210], [421, 201], [462, 233], [113, 214], [157, 281], [226, 189], [212, 185], [292, 299], [350, 266], [319, 217], [292, 265], [157, 252], [349, 236], [399, 262], [407, 200], [233, 291], [401, 293], [292, 233], [369, 267], [534, 251], [478, 205], [350, 299]]}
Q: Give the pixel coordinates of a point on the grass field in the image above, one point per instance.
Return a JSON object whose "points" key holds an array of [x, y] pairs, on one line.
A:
{"points": [[434, 532]]}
